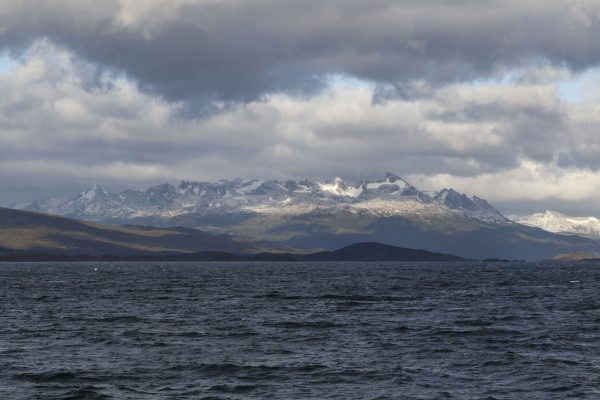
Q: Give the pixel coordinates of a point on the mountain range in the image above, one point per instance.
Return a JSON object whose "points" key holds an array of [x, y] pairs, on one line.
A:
{"points": [[389, 196], [324, 214]]}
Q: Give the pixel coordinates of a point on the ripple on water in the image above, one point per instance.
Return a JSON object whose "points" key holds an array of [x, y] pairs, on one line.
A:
{"points": [[298, 331]]}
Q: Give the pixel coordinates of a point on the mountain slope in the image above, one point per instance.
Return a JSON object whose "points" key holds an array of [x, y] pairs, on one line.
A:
{"points": [[471, 206], [446, 234], [23, 231], [553, 221]]}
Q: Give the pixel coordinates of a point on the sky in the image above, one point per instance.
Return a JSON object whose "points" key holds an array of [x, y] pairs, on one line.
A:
{"points": [[497, 98]]}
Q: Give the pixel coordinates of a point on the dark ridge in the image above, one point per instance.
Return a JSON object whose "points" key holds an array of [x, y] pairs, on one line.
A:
{"points": [[373, 251], [355, 252]]}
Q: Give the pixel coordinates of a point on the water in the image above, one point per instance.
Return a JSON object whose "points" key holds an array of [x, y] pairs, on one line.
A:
{"points": [[299, 331]]}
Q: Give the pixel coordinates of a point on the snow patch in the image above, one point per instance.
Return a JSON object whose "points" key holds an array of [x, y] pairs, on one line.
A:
{"points": [[249, 186], [338, 187]]}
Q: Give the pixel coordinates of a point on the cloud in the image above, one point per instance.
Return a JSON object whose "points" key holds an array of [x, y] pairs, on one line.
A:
{"points": [[63, 123], [465, 93], [241, 50]]}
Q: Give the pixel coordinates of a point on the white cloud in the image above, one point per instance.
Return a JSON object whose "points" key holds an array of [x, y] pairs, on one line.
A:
{"points": [[64, 122], [529, 182]]}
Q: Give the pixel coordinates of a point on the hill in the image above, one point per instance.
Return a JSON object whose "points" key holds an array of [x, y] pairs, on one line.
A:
{"points": [[31, 232], [371, 251]]}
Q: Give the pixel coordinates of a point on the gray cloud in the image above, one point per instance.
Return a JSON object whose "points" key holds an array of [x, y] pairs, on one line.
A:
{"points": [[241, 50], [460, 93], [58, 130]]}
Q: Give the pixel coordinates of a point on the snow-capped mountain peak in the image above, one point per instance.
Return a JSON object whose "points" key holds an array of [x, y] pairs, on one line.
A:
{"points": [[391, 187], [338, 187], [556, 222], [391, 177], [93, 192], [472, 206]]}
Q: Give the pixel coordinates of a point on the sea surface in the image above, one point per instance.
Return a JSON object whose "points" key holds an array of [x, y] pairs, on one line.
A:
{"points": [[299, 331]]}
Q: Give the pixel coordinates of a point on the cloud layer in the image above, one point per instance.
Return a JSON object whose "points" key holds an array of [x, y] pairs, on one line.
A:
{"points": [[243, 49], [466, 94]]}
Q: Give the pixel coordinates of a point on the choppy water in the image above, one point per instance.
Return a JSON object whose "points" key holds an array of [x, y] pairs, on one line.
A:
{"points": [[299, 331]]}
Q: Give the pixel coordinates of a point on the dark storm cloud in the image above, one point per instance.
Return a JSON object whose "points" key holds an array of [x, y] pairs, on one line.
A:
{"points": [[240, 50]]}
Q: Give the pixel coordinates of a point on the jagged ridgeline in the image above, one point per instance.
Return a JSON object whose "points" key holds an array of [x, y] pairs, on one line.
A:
{"points": [[324, 214]]}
